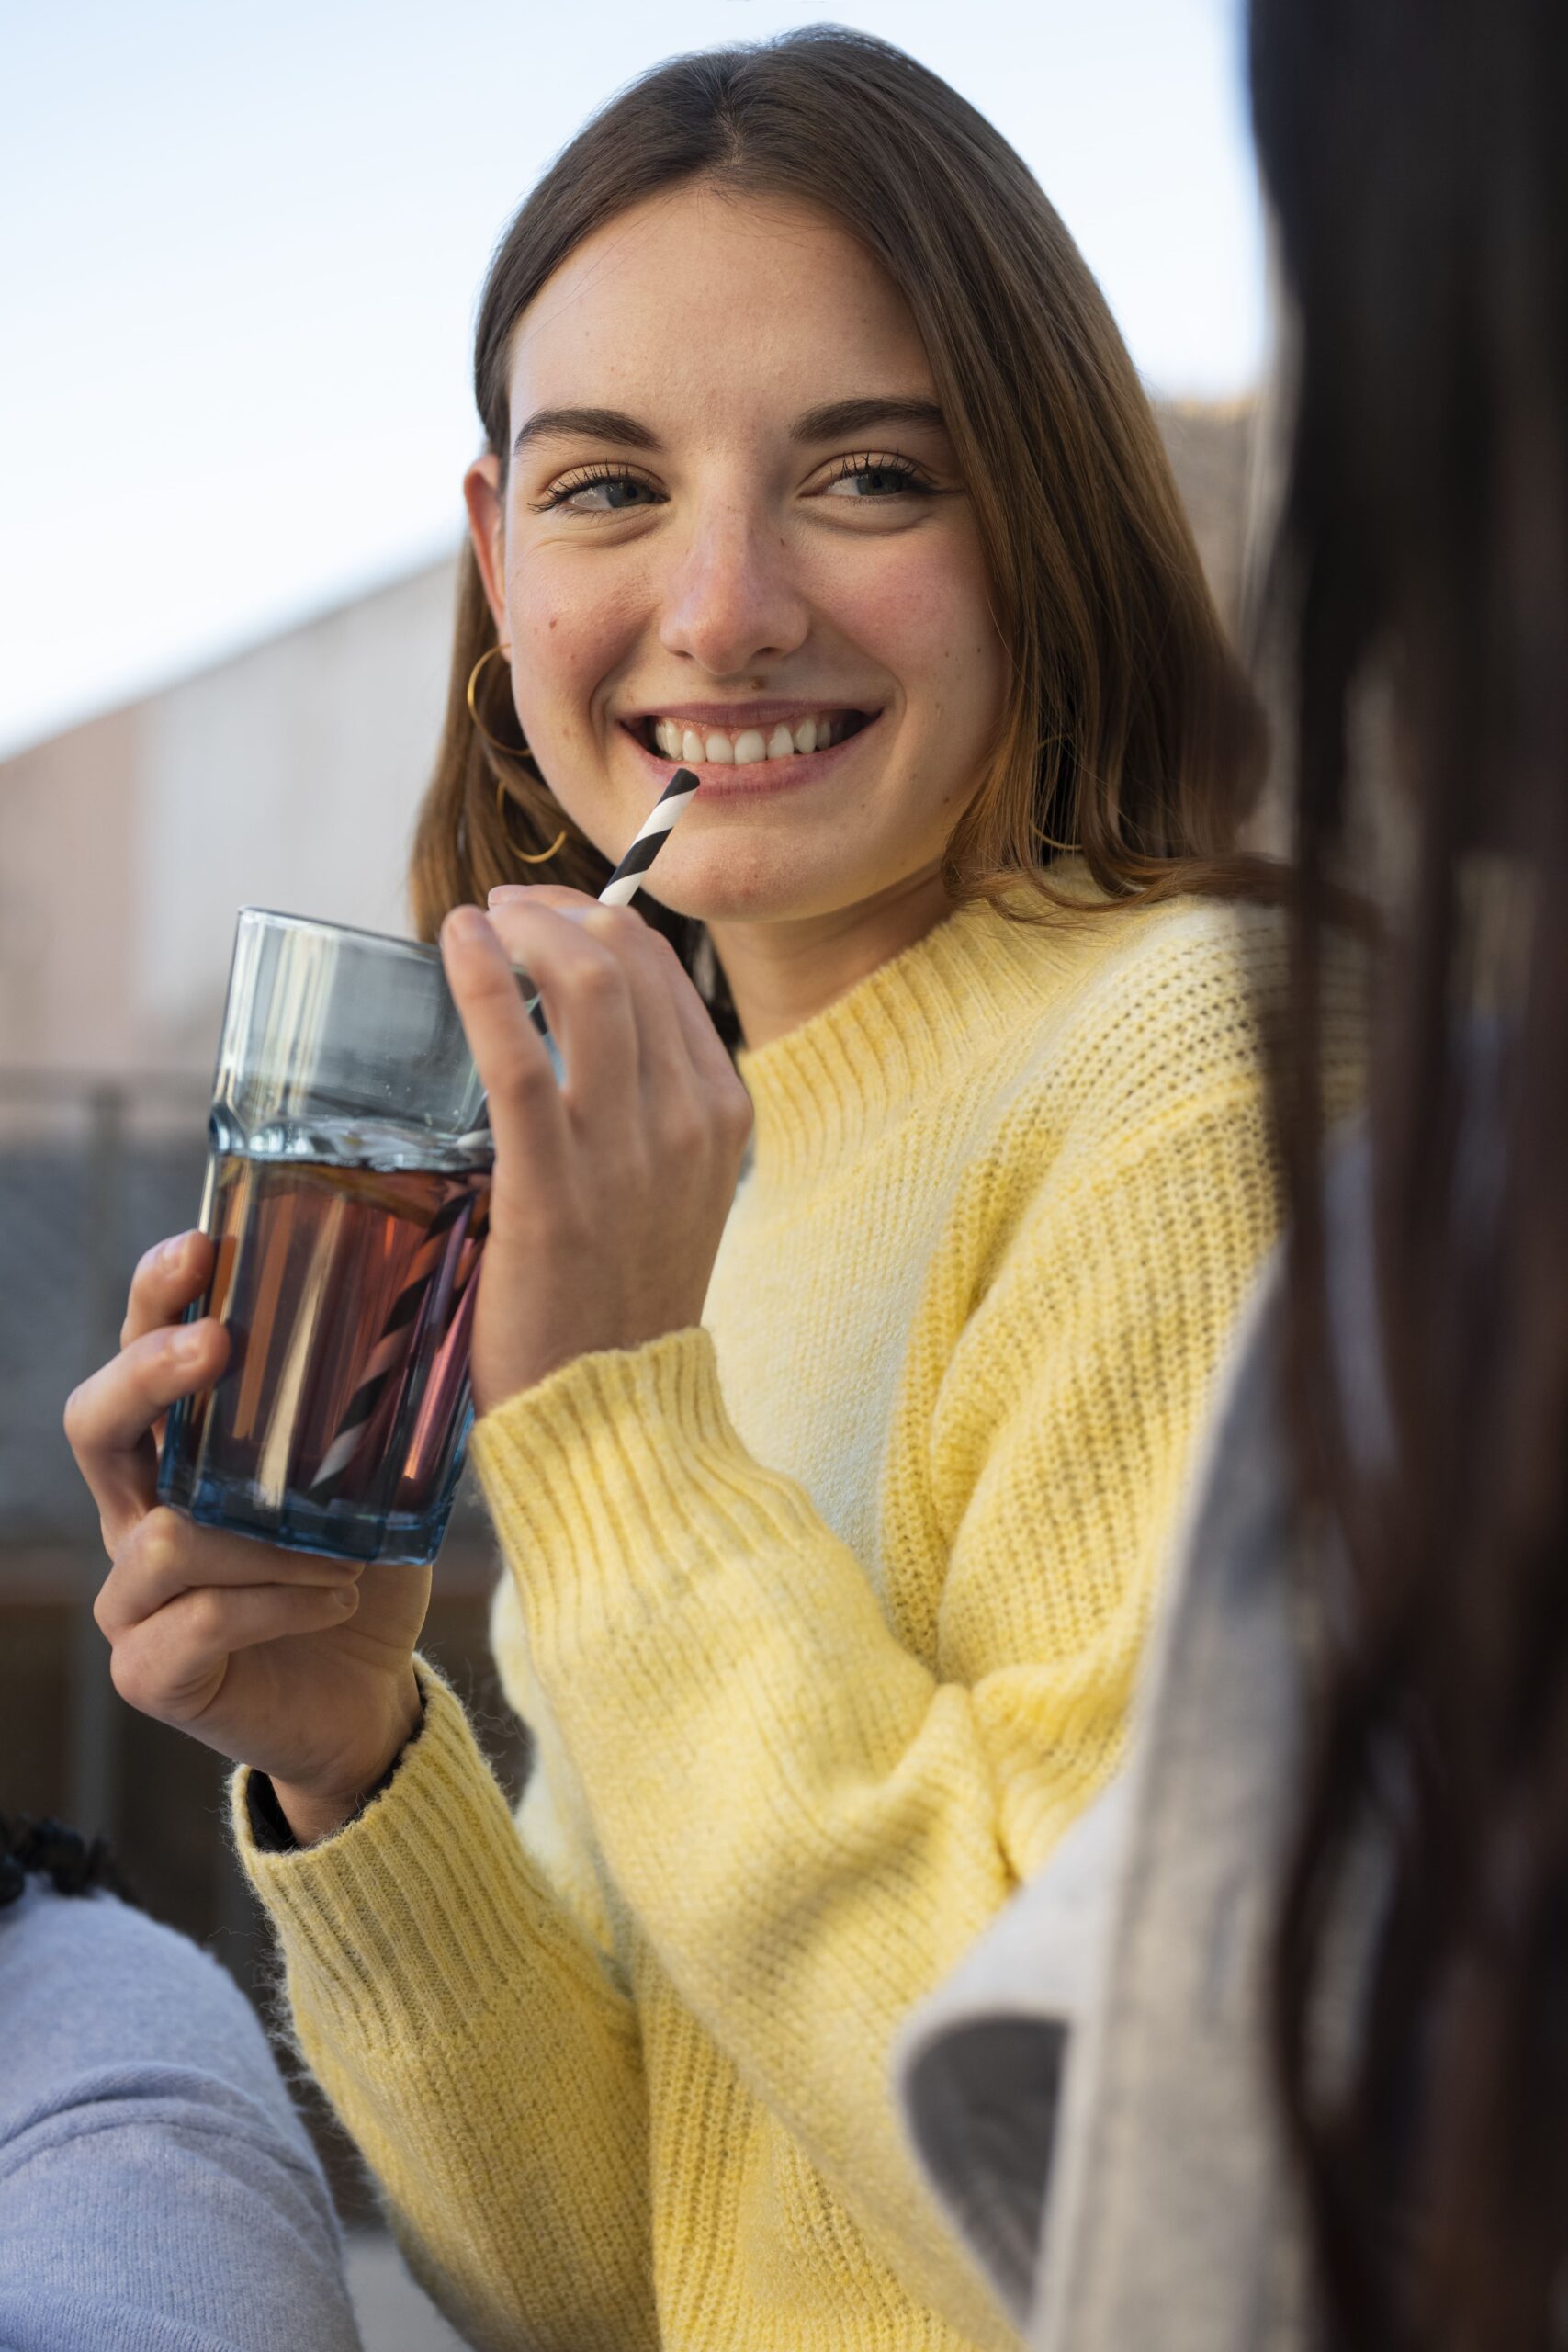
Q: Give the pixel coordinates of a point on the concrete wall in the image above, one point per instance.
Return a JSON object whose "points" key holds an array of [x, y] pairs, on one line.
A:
{"points": [[287, 776]]}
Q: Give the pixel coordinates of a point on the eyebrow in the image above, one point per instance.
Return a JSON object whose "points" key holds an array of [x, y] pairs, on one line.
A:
{"points": [[838, 420], [585, 424]]}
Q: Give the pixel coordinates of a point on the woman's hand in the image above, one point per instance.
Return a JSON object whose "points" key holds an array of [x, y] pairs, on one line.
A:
{"points": [[610, 1188], [300, 1666]]}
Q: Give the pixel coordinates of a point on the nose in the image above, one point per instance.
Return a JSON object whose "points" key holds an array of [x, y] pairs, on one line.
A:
{"points": [[729, 600]]}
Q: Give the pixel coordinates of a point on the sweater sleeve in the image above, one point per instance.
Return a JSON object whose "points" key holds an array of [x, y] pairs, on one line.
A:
{"points": [[472, 2041], [870, 1796]]}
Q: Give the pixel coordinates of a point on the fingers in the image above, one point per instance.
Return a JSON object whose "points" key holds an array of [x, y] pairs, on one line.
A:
{"points": [[165, 1556], [173, 1664], [109, 1418], [591, 1008], [167, 1280], [674, 1033], [648, 1088], [526, 1111]]}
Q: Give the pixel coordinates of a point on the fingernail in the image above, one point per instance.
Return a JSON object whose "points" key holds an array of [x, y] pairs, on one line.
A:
{"points": [[505, 892], [170, 1254], [468, 924], [188, 1346]]}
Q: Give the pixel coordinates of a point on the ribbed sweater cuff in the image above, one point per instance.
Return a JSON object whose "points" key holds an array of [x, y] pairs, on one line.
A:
{"points": [[617, 1481], [405, 1921]]}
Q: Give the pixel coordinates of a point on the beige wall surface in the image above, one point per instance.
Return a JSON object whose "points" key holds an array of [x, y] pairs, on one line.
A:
{"points": [[289, 778], [68, 819]]}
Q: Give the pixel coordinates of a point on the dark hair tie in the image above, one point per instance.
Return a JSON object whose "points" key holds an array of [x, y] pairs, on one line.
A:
{"points": [[61, 1855]]}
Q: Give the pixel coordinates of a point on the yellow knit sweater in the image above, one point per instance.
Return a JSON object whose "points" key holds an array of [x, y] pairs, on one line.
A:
{"points": [[825, 1617]]}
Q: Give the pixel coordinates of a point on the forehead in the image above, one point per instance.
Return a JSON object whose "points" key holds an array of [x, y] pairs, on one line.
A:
{"points": [[697, 304]]}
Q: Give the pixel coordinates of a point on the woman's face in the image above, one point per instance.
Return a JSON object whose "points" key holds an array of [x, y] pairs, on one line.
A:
{"points": [[732, 528]]}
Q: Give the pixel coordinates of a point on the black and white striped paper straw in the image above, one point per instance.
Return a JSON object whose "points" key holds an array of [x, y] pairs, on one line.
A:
{"points": [[626, 879]]}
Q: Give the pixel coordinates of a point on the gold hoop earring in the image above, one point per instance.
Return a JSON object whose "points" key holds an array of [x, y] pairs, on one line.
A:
{"points": [[526, 857], [507, 752]]}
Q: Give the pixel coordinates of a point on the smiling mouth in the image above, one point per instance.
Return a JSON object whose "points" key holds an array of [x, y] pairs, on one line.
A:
{"points": [[676, 739]]}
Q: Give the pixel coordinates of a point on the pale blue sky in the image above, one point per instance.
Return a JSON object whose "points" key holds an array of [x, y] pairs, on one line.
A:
{"points": [[241, 248]]}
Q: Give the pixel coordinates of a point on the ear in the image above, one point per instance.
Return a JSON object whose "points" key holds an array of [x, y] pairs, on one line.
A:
{"points": [[487, 528]]}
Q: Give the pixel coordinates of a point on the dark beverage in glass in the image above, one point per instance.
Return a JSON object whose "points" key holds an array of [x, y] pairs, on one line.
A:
{"points": [[347, 1277], [347, 1195]]}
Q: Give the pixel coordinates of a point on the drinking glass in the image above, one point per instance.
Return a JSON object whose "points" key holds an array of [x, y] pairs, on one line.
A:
{"points": [[347, 1194]]}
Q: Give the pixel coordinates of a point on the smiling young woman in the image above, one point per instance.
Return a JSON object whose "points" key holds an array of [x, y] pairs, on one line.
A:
{"points": [[954, 354], [832, 1506]]}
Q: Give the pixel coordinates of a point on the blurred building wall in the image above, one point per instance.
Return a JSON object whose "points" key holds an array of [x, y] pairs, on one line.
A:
{"points": [[287, 776]]}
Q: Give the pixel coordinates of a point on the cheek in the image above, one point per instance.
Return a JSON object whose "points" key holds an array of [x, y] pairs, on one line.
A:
{"points": [[564, 648], [926, 618]]}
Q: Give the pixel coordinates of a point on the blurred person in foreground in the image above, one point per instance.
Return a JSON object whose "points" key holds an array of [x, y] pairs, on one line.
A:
{"points": [[158, 2192], [1303, 2078]]}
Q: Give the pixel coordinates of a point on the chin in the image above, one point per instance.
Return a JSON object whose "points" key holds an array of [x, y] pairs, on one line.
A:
{"points": [[742, 894], [719, 883]]}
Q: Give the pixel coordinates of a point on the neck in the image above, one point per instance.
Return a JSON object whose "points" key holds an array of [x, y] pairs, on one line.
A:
{"points": [[779, 974]]}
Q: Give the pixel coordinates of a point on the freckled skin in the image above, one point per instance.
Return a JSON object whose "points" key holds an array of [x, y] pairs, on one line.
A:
{"points": [[744, 578]]}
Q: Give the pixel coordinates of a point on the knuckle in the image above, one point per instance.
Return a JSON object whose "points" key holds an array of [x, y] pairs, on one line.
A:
{"points": [[75, 1417], [598, 980], [616, 923], [525, 1076], [736, 1113], [129, 1674], [682, 1130], [160, 1541], [206, 1617]]}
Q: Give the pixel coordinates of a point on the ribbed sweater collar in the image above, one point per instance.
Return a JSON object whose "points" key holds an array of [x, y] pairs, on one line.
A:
{"points": [[823, 1092]]}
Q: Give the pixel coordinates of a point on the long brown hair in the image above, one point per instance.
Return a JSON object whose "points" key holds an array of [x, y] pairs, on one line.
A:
{"points": [[1129, 729], [1415, 155]]}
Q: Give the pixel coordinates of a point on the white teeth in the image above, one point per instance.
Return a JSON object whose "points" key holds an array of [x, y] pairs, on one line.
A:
{"points": [[677, 741]]}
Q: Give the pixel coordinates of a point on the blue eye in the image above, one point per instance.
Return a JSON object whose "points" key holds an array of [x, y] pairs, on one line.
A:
{"points": [[874, 477], [600, 490]]}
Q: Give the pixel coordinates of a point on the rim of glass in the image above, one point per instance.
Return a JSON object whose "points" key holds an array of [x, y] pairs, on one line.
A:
{"points": [[426, 952]]}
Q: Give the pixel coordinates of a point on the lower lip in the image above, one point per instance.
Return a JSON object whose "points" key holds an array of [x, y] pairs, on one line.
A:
{"points": [[718, 780]]}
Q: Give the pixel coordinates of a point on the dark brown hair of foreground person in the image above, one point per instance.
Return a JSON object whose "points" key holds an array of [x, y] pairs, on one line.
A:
{"points": [[1416, 158], [1129, 727]]}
